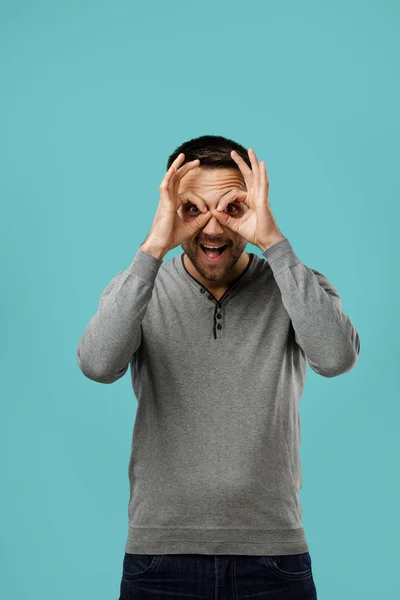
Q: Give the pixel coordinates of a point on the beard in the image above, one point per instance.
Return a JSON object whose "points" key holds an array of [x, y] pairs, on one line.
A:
{"points": [[220, 270]]}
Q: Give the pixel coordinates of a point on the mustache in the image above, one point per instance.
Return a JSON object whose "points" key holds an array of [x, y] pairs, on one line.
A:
{"points": [[215, 242]]}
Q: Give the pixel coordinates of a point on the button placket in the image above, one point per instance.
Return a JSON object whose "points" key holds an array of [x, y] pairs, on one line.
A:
{"points": [[217, 327], [218, 316]]}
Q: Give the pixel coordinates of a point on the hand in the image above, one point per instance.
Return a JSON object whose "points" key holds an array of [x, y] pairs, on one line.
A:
{"points": [[257, 225], [168, 229]]}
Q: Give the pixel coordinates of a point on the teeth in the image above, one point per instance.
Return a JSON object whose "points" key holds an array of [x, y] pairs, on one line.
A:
{"points": [[205, 246]]}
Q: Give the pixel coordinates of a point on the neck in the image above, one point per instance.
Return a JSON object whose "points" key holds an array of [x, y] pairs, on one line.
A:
{"points": [[224, 282]]}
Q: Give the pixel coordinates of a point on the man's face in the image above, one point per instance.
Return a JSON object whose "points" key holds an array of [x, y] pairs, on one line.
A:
{"points": [[211, 185]]}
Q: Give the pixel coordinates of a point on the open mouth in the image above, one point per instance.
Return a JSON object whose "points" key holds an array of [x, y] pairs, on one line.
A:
{"points": [[213, 254]]}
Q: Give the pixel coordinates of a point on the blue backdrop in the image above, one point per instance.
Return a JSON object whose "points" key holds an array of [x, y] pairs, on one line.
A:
{"points": [[94, 97]]}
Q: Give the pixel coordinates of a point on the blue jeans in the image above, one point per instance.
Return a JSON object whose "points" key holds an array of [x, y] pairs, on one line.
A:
{"points": [[217, 577]]}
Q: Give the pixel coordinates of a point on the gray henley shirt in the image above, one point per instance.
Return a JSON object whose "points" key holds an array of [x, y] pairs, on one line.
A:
{"points": [[215, 455]]}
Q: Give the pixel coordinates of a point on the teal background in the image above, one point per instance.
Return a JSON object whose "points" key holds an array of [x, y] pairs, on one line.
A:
{"points": [[94, 97]]}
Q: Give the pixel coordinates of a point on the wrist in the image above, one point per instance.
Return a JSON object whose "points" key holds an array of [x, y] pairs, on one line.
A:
{"points": [[273, 240], [153, 249]]}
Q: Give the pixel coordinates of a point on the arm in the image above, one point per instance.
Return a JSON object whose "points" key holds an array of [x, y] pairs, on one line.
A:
{"points": [[114, 332], [323, 331]]}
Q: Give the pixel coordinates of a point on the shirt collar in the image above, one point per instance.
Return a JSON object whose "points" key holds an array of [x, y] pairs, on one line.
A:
{"points": [[240, 280]]}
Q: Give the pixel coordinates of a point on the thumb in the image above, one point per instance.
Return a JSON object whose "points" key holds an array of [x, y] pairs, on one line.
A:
{"points": [[200, 221]]}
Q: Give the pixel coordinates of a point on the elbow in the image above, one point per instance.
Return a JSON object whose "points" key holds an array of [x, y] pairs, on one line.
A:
{"points": [[98, 377], [343, 364], [98, 373], [103, 376]]}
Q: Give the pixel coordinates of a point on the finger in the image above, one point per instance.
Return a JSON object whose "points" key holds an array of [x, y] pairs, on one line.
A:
{"points": [[265, 169], [176, 176], [193, 198], [264, 178], [164, 186], [202, 219], [264, 184], [225, 219], [187, 167], [230, 197], [178, 161], [172, 178], [199, 222], [180, 173], [167, 177], [244, 168], [254, 167], [171, 171], [174, 168]]}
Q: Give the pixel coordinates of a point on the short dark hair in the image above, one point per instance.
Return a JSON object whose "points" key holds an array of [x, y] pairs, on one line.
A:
{"points": [[214, 152]]}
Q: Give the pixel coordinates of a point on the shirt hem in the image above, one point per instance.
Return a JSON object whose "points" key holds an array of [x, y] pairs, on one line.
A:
{"points": [[143, 540]]}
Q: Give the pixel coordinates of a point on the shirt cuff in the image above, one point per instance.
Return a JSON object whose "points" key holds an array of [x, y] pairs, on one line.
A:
{"points": [[281, 256], [145, 266]]}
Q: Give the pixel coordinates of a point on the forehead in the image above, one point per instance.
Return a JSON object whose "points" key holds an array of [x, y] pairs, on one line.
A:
{"points": [[207, 181]]}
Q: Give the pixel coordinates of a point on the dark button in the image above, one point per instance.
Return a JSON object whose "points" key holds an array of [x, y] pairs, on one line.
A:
{"points": [[202, 291], [219, 316], [219, 326], [210, 297]]}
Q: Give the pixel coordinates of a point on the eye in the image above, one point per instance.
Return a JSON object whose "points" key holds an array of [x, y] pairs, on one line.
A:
{"points": [[194, 206]]}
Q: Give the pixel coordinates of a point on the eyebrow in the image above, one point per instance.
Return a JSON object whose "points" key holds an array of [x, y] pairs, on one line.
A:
{"points": [[227, 192]]}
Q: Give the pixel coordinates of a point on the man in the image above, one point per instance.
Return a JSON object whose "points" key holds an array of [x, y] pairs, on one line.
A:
{"points": [[218, 341]]}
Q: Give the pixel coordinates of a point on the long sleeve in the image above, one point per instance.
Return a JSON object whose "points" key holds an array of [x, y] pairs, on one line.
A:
{"points": [[323, 331], [114, 332]]}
